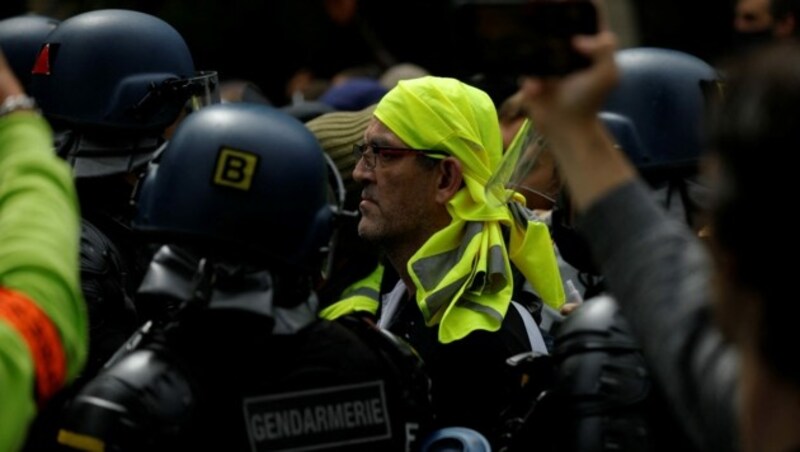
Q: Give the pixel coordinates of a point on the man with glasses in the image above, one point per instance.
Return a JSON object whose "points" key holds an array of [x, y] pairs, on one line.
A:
{"points": [[428, 153]]}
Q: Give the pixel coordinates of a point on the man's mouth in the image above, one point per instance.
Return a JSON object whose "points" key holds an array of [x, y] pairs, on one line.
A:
{"points": [[363, 203], [367, 197]]}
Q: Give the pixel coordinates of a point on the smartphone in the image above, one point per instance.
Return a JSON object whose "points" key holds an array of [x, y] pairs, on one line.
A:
{"points": [[522, 37]]}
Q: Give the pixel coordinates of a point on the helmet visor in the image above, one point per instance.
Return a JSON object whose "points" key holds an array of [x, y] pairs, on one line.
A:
{"points": [[203, 89]]}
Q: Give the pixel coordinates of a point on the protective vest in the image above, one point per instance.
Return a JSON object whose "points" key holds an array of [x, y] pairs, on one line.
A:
{"points": [[361, 296], [602, 394], [240, 368]]}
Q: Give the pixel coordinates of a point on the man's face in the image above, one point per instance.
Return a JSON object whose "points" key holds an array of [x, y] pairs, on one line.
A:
{"points": [[397, 202], [752, 16]]}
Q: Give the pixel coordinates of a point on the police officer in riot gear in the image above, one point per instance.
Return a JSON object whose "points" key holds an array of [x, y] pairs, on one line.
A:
{"points": [[655, 115], [111, 82], [241, 198], [599, 392]]}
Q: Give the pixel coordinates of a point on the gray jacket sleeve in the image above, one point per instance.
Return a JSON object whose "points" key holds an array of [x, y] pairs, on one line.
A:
{"points": [[660, 275]]}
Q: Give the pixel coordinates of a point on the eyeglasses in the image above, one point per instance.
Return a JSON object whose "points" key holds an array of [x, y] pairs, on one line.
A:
{"points": [[372, 153]]}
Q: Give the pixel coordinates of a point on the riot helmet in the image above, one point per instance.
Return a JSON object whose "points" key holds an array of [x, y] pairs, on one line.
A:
{"points": [[663, 93], [111, 81], [655, 115], [20, 38], [242, 181]]}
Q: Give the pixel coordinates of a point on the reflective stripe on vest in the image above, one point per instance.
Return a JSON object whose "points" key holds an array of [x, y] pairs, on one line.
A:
{"points": [[361, 296]]}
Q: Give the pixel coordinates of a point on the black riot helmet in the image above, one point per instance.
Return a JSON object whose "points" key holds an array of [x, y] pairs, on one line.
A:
{"points": [[20, 38], [113, 80], [242, 180], [663, 93], [656, 116]]}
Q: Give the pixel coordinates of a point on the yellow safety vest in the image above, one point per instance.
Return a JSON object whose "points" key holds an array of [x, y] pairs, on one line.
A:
{"points": [[361, 296]]}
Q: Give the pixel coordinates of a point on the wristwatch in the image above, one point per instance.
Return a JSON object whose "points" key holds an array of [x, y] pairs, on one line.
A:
{"points": [[16, 102]]}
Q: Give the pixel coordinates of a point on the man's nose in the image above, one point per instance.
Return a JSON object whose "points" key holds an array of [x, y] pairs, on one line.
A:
{"points": [[361, 173]]}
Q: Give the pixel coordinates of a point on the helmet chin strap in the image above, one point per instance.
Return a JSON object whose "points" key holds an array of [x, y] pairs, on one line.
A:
{"points": [[536, 192], [337, 194]]}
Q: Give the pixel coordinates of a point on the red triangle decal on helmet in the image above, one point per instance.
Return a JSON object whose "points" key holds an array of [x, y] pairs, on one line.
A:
{"points": [[42, 65]]}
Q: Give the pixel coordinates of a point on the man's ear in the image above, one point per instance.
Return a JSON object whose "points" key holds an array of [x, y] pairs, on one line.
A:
{"points": [[450, 179]]}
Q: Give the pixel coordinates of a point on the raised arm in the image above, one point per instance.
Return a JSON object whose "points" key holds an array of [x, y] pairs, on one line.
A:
{"points": [[656, 269], [43, 326]]}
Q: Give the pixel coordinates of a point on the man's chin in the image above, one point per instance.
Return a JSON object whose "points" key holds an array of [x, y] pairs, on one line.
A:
{"points": [[367, 231]]}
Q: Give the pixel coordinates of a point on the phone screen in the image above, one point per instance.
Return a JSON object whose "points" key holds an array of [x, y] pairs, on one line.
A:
{"points": [[523, 37]]}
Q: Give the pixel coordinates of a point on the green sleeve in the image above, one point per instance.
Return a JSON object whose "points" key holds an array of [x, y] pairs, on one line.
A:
{"points": [[39, 240]]}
